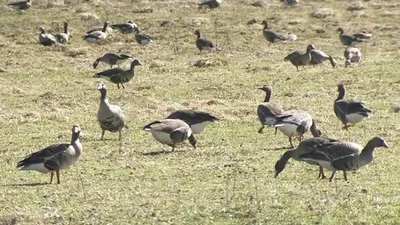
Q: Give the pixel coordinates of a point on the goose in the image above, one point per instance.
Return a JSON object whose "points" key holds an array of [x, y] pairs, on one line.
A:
{"points": [[349, 111], [125, 28], [318, 56], [54, 158], [111, 59], [296, 125], [211, 4], [352, 55], [97, 36], [348, 40], [299, 58], [304, 147], [22, 5], [171, 132], [142, 38], [345, 156], [270, 35], [268, 111], [119, 76], [45, 38], [63, 37], [203, 43], [363, 35], [110, 117], [197, 120], [290, 2]]}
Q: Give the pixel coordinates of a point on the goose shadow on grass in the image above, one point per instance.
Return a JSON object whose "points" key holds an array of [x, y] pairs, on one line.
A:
{"points": [[280, 148], [26, 185], [160, 152]]}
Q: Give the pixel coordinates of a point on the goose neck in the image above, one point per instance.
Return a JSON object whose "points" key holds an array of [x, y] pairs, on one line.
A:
{"points": [[267, 96], [341, 94]]}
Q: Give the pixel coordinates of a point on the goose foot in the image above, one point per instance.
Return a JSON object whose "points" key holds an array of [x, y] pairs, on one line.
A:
{"points": [[260, 131]]}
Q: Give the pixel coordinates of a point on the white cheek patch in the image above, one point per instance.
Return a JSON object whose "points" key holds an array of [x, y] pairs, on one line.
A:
{"points": [[77, 129]]}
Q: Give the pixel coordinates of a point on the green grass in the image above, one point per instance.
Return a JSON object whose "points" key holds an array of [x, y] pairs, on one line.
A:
{"points": [[228, 179]]}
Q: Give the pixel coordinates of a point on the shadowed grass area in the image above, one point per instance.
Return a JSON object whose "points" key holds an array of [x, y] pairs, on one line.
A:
{"points": [[228, 179]]}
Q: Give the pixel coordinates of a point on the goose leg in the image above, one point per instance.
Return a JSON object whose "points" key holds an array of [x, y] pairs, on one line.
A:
{"points": [[118, 86], [119, 138], [291, 143], [297, 68], [102, 134], [122, 86], [332, 176], [58, 176], [345, 175], [276, 130], [51, 177], [321, 173], [261, 129]]}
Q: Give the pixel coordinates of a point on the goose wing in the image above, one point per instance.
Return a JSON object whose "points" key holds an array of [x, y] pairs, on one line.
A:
{"points": [[42, 155], [349, 107], [110, 73]]}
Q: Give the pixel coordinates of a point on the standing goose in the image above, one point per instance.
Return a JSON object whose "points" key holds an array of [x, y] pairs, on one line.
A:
{"points": [[304, 147], [296, 125], [110, 117], [349, 111], [63, 37], [125, 28], [111, 59], [142, 38], [318, 57], [46, 39], [299, 58], [345, 156], [171, 132], [270, 35], [97, 36], [119, 76], [267, 111], [22, 5], [54, 158], [352, 55], [203, 43], [211, 4], [348, 40], [197, 120]]}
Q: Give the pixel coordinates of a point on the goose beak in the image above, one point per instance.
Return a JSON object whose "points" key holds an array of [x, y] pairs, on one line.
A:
{"points": [[385, 145]]}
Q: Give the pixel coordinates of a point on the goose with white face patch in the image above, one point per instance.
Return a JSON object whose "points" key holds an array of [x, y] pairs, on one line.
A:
{"points": [[296, 125], [345, 156], [110, 117], [55, 157], [349, 111], [197, 120], [171, 132]]}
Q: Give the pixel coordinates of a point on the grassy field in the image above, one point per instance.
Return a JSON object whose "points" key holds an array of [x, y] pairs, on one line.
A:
{"points": [[228, 179]]}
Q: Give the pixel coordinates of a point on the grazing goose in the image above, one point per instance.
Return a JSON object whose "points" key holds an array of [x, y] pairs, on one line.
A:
{"points": [[119, 76], [22, 5], [270, 35], [111, 59], [345, 156], [349, 111], [348, 40], [211, 4], [268, 111], [97, 36], [63, 37], [299, 58], [54, 158], [45, 38], [171, 132], [202, 43], [296, 125], [318, 57], [304, 147], [290, 2], [142, 38], [110, 117], [352, 55], [197, 120], [125, 28]]}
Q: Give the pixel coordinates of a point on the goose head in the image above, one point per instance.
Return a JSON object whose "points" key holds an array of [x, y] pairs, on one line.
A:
{"points": [[314, 130], [105, 26], [76, 131], [340, 30], [341, 90], [310, 47], [265, 23], [377, 142], [267, 91], [136, 62], [41, 29], [192, 141], [103, 90], [197, 33]]}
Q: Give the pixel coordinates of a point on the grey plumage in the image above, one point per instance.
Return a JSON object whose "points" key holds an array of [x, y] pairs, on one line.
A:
{"points": [[171, 132], [22, 5], [318, 57], [142, 38], [349, 111], [270, 35], [125, 28], [203, 43], [95, 36], [212, 4], [64, 36], [111, 59], [54, 158], [345, 156], [300, 58], [348, 40], [119, 76], [46, 39], [352, 55], [197, 120], [110, 117], [290, 2]]}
